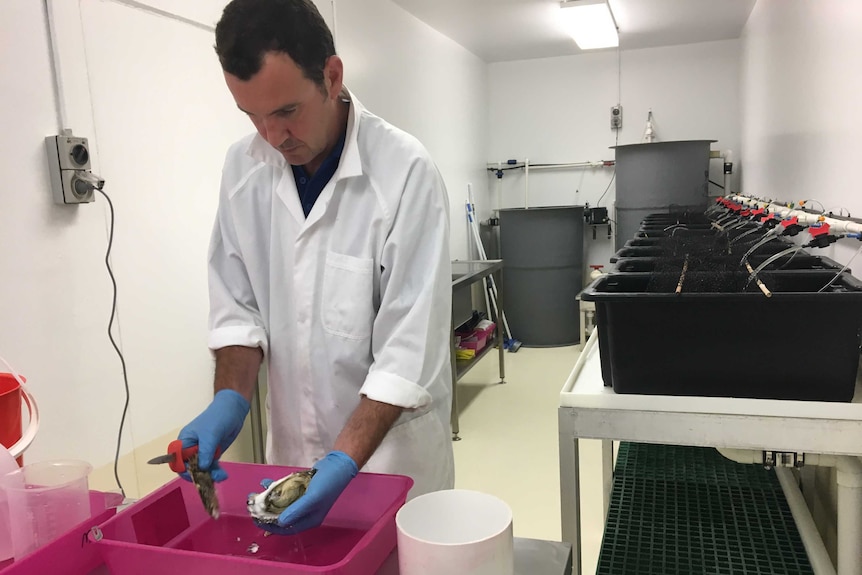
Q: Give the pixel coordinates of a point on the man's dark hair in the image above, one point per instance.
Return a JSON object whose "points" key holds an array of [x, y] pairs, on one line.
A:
{"points": [[248, 29]]}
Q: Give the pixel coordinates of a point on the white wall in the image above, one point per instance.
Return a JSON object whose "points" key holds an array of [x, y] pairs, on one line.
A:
{"points": [[558, 110], [426, 84], [799, 91], [800, 131], [147, 90]]}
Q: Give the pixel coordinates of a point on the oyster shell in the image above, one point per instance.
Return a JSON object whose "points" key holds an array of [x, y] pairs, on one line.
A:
{"points": [[265, 507], [203, 480]]}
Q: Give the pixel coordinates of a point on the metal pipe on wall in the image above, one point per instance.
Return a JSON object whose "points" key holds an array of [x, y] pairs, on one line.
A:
{"points": [[527, 167]]}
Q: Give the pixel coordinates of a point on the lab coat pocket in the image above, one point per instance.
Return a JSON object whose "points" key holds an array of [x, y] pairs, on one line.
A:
{"points": [[348, 289]]}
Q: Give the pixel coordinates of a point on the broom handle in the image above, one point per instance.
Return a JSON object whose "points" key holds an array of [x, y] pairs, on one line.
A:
{"points": [[474, 226]]}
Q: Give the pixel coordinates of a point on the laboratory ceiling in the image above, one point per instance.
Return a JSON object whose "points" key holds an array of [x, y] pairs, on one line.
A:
{"points": [[504, 30]]}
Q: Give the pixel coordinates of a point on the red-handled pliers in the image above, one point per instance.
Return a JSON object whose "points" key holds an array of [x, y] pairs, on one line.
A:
{"points": [[178, 455]]}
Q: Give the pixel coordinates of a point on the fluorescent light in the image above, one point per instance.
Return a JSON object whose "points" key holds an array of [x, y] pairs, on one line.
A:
{"points": [[590, 23]]}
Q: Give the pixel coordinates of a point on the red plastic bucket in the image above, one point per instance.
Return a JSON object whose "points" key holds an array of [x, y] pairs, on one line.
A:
{"points": [[10, 412]]}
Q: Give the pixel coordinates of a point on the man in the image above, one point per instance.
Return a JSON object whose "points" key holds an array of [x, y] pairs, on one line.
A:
{"points": [[329, 258]]}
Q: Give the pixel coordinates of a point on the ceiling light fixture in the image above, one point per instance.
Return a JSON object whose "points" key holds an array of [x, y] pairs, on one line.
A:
{"points": [[590, 22]]}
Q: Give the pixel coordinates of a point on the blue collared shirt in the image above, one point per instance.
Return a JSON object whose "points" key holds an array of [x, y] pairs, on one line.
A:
{"points": [[310, 187]]}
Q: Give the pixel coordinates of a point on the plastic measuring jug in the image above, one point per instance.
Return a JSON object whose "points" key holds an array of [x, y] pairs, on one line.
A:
{"points": [[7, 465], [45, 500], [12, 392]]}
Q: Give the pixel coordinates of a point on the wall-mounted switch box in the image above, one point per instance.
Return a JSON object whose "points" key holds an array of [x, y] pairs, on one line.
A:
{"points": [[616, 117], [68, 158]]}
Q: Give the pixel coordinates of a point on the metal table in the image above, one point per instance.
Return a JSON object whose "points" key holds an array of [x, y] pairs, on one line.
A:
{"points": [[532, 557], [464, 274], [590, 410]]}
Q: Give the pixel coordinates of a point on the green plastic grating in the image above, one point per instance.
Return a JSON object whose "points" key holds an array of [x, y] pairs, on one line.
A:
{"points": [[689, 510]]}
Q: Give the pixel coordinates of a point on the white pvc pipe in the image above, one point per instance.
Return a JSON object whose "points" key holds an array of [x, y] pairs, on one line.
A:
{"points": [[814, 547], [549, 165], [821, 563], [55, 57], [836, 226], [849, 506], [849, 516], [566, 166], [526, 182]]}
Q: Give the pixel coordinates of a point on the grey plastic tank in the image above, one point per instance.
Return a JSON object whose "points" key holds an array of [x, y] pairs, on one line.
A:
{"points": [[659, 177], [543, 255]]}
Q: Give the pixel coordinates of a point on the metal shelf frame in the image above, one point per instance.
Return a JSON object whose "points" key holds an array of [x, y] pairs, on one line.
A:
{"points": [[589, 410], [464, 274]]}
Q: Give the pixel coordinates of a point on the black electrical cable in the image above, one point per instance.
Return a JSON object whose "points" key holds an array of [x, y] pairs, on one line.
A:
{"points": [[716, 184], [114, 343], [614, 175]]}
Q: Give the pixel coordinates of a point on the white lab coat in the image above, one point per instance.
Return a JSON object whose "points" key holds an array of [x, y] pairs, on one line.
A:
{"points": [[354, 300]]}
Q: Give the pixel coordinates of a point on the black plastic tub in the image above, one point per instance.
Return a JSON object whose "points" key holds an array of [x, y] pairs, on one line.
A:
{"points": [[678, 217], [728, 263], [772, 247], [664, 227], [797, 344], [698, 240], [685, 232]]}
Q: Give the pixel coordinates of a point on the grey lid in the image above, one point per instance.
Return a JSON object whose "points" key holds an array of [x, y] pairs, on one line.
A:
{"points": [[660, 143]]}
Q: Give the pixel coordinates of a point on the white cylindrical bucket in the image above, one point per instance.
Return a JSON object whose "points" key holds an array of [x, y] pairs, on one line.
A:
{"points": [[455, 531]]}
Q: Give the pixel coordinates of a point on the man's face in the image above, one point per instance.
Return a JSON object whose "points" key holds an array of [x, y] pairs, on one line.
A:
{"points": [[295, 115]]}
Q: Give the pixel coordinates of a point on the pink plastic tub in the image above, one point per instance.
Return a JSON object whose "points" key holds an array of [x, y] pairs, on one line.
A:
{"points": [[168, 531]]}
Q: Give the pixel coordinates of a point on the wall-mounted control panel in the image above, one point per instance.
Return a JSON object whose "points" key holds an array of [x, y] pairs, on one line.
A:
{"points": [[69, 166], [616, 117]]}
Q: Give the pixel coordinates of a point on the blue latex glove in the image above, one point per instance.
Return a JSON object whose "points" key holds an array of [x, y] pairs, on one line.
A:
{"points": [[333, 474], [216, 427]]}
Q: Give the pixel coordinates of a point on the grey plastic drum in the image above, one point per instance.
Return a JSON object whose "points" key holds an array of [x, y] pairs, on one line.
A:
{"points": [[659, 177], [543, 254]]}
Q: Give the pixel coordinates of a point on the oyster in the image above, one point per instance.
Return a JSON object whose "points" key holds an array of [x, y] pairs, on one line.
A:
{"points": [[203, 480], [267, 506]]}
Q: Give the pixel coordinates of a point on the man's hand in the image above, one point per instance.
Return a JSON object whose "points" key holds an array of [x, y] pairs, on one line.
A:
{"points": [[216, 428], [333, 473]]}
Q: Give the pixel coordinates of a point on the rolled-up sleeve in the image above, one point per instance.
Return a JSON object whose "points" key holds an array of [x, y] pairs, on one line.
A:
{"points": [[235, 317], [410, 340]]}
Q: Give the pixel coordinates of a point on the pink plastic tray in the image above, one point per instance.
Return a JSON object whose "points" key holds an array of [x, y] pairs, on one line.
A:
{"points": [[168, 531]]}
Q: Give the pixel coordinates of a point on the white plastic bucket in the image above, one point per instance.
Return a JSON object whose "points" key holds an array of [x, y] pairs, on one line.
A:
{"points": [[455, 531]]}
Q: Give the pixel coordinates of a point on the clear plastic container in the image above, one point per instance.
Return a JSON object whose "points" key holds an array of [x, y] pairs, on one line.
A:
{"points": [[7, 465], [45, 500]]}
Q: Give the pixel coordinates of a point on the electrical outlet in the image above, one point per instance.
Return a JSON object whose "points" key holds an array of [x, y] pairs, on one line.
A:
{"points": [[616, 117], [69, 166]]}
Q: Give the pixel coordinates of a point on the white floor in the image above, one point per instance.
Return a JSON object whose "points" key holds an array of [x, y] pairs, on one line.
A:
{"points": [[509, 444]]}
